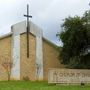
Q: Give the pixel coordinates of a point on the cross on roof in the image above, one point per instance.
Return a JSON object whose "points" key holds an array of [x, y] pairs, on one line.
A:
{"points": [[28, 29]]}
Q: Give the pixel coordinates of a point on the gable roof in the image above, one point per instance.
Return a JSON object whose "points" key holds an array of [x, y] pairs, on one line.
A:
{"points": [[51, 43], [6, 35], [20, 28]]}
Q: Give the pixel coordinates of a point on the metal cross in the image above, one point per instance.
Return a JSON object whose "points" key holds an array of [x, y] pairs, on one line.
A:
{"points": [[28, 29]]}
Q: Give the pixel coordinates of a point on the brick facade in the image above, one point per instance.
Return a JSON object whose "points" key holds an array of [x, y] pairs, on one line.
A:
{"points": [[28, 65], [5, 54], [50, 57]]}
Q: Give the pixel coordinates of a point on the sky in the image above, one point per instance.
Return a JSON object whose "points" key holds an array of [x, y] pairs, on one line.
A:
{"points": [[47, 14]]}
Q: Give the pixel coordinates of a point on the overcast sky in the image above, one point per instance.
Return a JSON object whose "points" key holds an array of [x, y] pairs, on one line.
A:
{"points": [[47, 14]]}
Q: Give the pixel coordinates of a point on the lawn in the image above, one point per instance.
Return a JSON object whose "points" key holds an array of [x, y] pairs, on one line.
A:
{"points": [[27, 85]]}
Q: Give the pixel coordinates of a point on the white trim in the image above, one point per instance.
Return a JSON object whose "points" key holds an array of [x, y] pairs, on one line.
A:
{"points": [[39, 58], [18, 29], [15, 72]]}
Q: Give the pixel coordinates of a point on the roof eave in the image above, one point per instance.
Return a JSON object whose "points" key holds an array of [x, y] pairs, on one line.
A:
{"points": [[6, 35]]}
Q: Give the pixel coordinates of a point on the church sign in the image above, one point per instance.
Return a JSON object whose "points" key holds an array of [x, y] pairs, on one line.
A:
{"points": [[68, 76]]}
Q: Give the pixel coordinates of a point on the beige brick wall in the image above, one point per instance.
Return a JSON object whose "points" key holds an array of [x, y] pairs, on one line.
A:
{"points": [[50, 56], [28, 64], [5, 54]]}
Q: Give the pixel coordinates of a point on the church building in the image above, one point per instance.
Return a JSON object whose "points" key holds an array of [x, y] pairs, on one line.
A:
{"points": [[43, 54]]}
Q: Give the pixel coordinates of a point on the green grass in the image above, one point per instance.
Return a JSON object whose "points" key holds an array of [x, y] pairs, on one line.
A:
{"points": [[27, 85]]}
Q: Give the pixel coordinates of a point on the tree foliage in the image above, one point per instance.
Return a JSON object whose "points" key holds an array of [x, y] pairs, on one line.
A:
{"points": [[75, 36]]}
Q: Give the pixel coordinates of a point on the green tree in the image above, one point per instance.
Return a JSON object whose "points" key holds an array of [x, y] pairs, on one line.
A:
{"points": [[75, 36]]}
